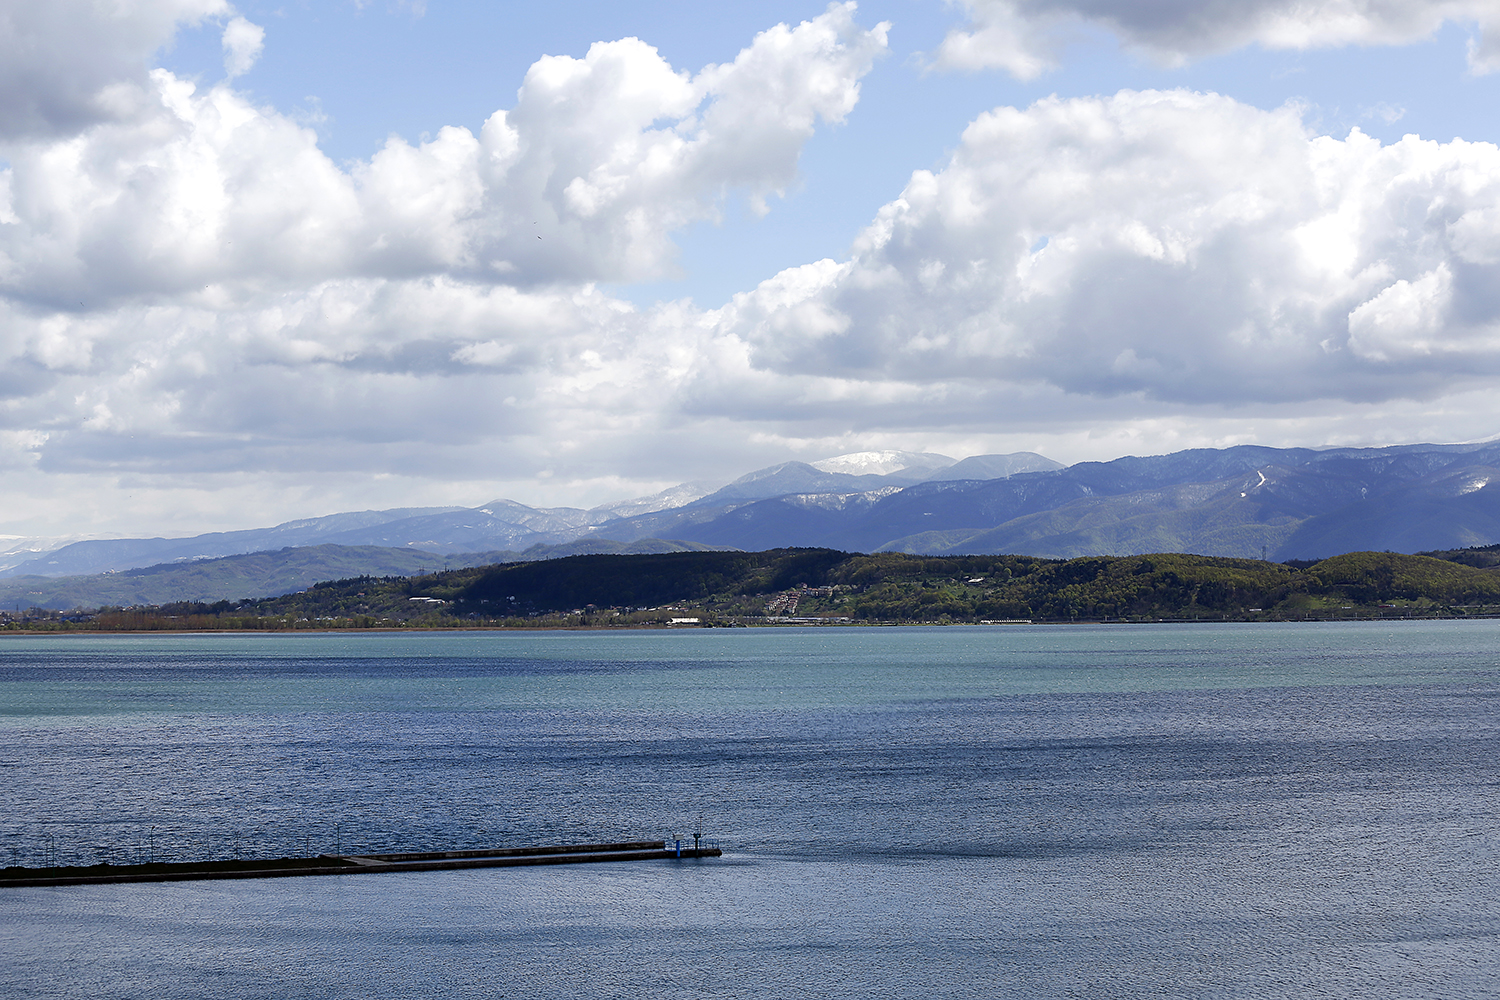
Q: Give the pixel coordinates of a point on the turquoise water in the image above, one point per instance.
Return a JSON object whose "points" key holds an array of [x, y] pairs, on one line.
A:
{"points": [[1259, 810], [770, 669]]}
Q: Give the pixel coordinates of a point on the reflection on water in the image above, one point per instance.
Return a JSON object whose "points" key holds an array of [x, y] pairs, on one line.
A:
{"points": [[1196, 811]]}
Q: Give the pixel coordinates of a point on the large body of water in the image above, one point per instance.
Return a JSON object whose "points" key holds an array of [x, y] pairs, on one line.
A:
{"points": [[1138, 811]]}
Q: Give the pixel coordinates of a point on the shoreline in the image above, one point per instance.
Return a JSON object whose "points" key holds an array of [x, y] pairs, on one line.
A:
{"points": [[417, 630]]}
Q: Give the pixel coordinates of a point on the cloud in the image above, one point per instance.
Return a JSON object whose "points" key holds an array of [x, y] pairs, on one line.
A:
{"points": [[1163, 256], [585, 179], [1025, 37], [242, 42], [608, 154], [1173, 246], [197, 288], [68, 64], [1388, 113], [194, 297]]}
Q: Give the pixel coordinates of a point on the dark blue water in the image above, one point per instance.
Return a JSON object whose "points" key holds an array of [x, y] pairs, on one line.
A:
{"points": [[1034, 812]]}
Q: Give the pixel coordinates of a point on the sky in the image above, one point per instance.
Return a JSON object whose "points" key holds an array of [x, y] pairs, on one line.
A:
{"points": [[270, 260]]}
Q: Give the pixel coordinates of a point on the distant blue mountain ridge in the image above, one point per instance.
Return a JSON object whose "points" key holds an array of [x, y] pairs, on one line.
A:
{"points": [[276, 572], [1246, 501]]}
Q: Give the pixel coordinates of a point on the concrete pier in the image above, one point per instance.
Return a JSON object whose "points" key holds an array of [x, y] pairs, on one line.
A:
{"points": [[355, 864]]}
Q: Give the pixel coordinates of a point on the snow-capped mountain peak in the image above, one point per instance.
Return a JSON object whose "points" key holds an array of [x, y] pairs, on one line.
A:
{"points": [[882, 463]]}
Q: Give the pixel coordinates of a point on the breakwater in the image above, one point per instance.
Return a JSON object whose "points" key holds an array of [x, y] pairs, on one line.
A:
{"points": [[356, 864]]}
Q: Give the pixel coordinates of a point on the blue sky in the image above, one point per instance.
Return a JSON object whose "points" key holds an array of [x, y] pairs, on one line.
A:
{"points": [[261, 260], [376, 69]]}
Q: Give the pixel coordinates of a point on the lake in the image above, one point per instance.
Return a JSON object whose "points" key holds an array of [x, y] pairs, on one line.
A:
{"points": [[1268, 810]]}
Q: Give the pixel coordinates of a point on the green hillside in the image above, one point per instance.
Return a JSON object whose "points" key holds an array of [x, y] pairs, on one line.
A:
{"points": [[782, 585]]}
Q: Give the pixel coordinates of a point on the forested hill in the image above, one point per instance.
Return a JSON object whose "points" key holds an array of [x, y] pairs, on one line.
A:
{"points": [[783, 585], [899, 587]]}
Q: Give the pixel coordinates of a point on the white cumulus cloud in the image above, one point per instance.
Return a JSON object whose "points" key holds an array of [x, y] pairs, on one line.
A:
{"points": [[1025, 37], [67, 64], [193, 296], [585, 179], [197, 288], [242, 43], [1174, 245]]}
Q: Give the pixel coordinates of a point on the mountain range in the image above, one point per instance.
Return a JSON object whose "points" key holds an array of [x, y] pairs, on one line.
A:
{"points": [[507, 525], [283, 571], [1247, 501]]}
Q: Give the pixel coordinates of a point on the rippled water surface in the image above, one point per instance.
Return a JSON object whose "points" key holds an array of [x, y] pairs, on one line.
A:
{"points": [[1204, 811]]}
